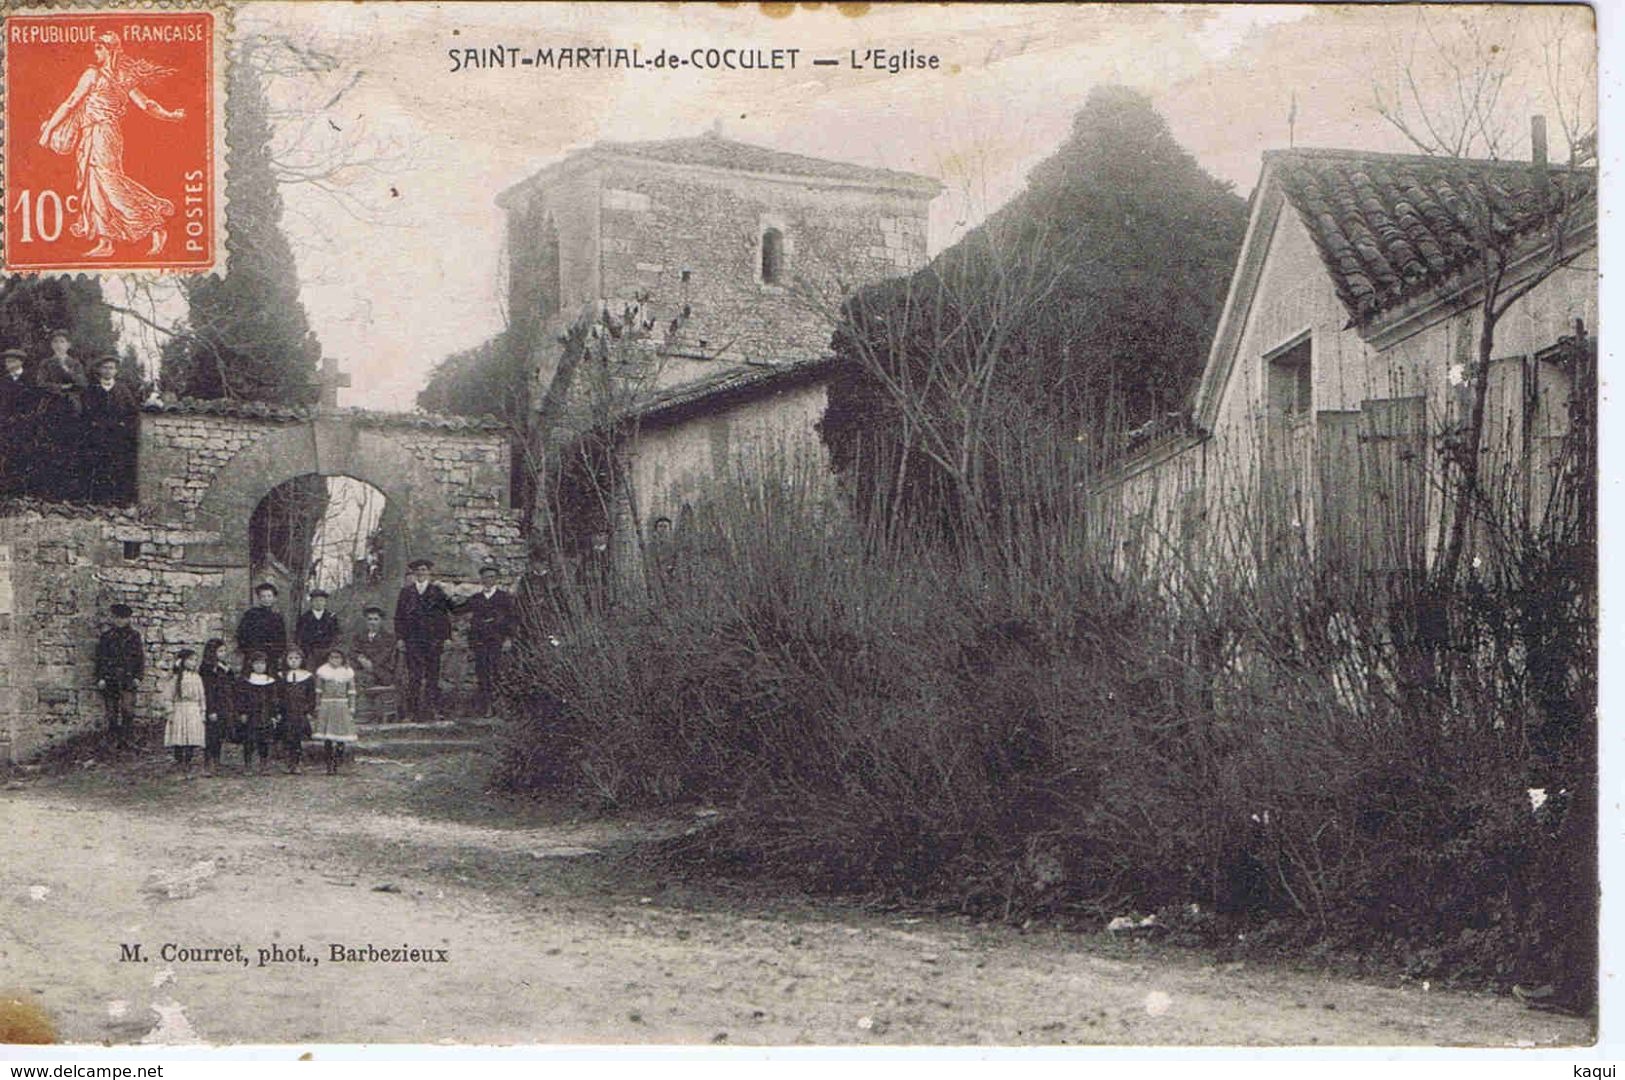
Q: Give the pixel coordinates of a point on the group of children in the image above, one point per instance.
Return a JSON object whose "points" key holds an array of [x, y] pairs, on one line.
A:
{"points": [[211, 704]]}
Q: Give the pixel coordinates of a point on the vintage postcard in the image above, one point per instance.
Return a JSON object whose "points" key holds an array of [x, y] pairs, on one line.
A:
{"points": [[798, 525]]}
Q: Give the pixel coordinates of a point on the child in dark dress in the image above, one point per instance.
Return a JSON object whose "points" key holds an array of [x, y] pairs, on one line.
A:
{"points": [[298, 706], [219, 708], [257, 701]]}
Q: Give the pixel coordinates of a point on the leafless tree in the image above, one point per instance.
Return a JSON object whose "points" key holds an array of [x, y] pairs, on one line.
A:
{"points": [[1459, 81]]}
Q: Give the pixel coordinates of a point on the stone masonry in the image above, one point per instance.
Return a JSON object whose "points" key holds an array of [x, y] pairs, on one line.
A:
{"points": [[728, 263], [180, 557]]}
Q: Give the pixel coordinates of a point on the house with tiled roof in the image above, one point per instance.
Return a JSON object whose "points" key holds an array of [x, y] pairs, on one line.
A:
{"points": [[1345, 361], [724, 262]]}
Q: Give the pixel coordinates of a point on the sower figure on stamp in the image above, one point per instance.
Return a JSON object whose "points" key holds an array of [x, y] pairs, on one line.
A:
{"points": [[422, 625], [18, 399], [317, 630], [262, 629], [89, 124], [121, 661], [492, 618], [373, 650], [110, 418]]}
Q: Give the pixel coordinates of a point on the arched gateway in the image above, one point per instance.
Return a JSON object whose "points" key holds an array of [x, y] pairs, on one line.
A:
{"points": [[183, 559]]}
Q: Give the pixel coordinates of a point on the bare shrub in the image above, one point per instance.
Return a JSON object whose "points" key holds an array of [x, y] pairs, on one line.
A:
{"points": [[1008, 727]]}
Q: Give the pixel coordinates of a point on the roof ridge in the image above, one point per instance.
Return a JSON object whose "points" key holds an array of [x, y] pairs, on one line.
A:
{"points": [[711, 150], [1350, 154]]}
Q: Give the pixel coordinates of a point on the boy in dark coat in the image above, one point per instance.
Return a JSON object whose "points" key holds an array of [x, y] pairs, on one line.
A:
{"points": [[492, 618], [317, 630], [262, 629], [219, 703], [422, 625], [121, 661], [61, 381], [110, 413], [18, 398]]}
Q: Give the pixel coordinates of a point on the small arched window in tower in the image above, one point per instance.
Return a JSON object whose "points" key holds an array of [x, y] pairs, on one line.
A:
{"points": [[772, 256]]}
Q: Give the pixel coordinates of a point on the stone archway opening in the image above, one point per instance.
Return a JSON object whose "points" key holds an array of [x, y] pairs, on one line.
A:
{"points": [[319, 532]]}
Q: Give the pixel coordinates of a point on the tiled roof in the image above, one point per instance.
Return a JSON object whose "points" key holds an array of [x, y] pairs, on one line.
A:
{"points": [[717, 152], [261, 410], [730, 380], [1389, 226]]}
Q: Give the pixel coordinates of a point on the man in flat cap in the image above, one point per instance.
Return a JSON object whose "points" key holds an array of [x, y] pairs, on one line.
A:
{"points": [[317, 630], [422, 625], [18, 398], [262, 629], [110, 412], [492, 618], [60, 373], [121, 661]]}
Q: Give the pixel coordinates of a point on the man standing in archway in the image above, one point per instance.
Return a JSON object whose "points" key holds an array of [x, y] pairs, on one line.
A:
{"points": [[422, 625]]}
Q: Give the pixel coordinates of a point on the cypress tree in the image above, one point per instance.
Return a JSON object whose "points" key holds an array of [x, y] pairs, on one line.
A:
{"points": [[248, 335]]}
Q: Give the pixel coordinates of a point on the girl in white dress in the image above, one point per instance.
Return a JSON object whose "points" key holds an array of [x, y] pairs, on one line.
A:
{"points": [[183, 734], [335, 707]]}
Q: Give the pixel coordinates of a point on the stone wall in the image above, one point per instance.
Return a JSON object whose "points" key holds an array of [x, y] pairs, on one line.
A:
{"points": [[673, 464], [180, 557], [658, 223], [60, 571], [690, 240], [446, 480]]}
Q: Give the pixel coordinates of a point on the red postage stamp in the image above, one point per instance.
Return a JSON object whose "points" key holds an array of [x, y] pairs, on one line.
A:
{"points": [[113, 141]]}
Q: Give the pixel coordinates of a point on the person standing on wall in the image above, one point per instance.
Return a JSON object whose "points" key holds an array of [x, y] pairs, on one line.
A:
{"points": [[492, 618], [422, 625], [121, 661], [110, 432], [262, 629], [61, 381], [18, 399]]}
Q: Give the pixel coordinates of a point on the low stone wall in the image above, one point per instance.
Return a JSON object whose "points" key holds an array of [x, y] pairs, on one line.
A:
{"points": [[60, 570], [180, 557]]}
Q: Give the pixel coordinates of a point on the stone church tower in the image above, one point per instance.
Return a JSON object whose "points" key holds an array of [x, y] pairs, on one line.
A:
{"points": [[732, 258]]}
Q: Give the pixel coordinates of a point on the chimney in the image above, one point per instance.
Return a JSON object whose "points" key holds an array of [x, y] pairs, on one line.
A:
{"points": [[1537, 150]]}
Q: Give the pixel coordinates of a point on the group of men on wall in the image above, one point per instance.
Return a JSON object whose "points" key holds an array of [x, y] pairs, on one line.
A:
{"points": [[63, 435], [406, 656]]}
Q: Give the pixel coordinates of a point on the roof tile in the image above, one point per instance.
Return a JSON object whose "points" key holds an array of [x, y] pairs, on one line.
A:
{"points": [[1390, 225]]}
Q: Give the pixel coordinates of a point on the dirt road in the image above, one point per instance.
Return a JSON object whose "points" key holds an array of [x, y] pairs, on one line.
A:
{"points": [[532, 927]]}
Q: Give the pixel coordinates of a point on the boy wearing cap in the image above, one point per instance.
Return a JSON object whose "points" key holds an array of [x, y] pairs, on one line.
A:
{"points": [[110, 410], [60, 373], [317, 630], [121, 661], [492, 618], [262, 629], [422, 625], [17, 400]]}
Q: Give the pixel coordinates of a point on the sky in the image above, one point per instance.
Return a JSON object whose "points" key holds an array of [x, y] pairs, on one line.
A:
{"points": [[400, 249]]}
